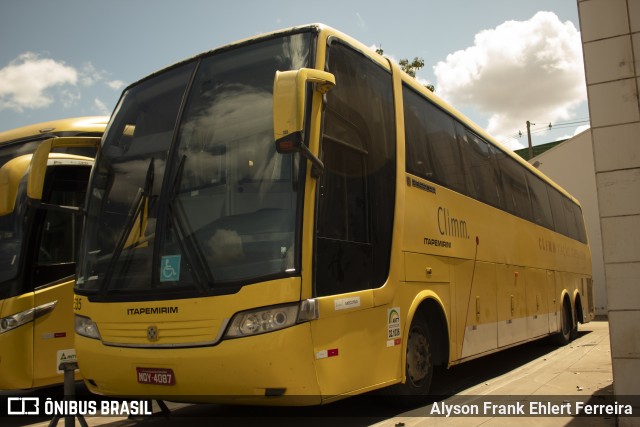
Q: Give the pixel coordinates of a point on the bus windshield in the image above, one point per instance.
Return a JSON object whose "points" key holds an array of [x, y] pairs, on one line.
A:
{"points": [[12, 224], [189, 195]]}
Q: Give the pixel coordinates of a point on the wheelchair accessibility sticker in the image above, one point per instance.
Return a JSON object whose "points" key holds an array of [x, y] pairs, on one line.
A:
{"points": [[170, 268]]}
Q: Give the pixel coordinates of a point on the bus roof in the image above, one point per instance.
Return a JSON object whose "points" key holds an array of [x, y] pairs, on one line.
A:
{"points": [[77, 125]]}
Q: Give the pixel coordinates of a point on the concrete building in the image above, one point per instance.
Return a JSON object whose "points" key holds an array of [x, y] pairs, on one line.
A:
{"points": [[611, 44], [580, 181]]}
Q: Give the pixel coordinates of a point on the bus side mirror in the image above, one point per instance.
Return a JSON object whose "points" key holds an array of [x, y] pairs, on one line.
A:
{"points": [[38, 168], [289, 109], [10, 175]]}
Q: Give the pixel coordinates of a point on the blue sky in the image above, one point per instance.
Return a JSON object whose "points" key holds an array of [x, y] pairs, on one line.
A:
{"points": [[501, 62]]}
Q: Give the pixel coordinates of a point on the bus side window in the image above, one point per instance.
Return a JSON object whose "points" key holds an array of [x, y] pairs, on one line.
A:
{"points": [[482, 166], [356, 193], [432, 137], [540, 201], [570, 218], [582, 232], [515, 187], [417, 148], [58, 233], [557, 210]]}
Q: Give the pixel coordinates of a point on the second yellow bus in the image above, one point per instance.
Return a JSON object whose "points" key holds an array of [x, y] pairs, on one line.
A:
{"points": [[39, 239]]}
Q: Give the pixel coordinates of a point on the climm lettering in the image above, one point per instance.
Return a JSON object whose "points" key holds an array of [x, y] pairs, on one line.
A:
{"points": [[448, 225], [152, 310]]}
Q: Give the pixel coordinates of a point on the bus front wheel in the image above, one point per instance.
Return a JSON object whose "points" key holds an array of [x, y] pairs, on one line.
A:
{"points": [[418, 366]]}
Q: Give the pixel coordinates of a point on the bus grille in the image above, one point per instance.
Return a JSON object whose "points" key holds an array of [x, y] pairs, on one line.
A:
{"points": [[162, 334]]}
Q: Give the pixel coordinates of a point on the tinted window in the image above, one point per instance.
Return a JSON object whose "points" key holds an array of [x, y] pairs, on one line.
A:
{"points": [[515, 187], [557, 210], [582, 233], [478, 169], [343, 194], [189, 195], [540, 201], [59, 232], [356, 192], [432, 147], [482, 167], [570, 219]]}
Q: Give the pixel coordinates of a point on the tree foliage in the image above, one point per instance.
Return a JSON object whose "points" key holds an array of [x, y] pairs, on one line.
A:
{"points": [[410, 67]]}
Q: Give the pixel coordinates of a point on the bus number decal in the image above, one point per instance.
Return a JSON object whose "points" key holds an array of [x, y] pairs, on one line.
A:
{"points": [[393, 327]]}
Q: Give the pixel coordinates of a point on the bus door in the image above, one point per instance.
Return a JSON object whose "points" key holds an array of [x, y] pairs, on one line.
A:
{"points": [[353, 227], [56, 236], [346, 333]]}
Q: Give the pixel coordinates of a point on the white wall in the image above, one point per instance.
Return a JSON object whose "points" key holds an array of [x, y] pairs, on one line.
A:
{"points": [[610, 32]]}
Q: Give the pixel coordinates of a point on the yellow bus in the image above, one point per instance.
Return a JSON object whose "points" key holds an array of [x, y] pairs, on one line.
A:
{"points": [[291, 216], [39, 238]]}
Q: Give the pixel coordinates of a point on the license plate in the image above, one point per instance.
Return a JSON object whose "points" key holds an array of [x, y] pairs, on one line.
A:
{"points": [[156, 376]]}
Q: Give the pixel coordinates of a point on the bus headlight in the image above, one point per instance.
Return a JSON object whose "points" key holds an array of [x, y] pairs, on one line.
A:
{"points": [[11, 322], [260, 321], [87, 327]]}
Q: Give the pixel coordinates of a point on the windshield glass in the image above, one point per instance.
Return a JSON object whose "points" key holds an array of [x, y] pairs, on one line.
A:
{"points": [[11, 224], [205, 206], [39, 246], [11, 238]]}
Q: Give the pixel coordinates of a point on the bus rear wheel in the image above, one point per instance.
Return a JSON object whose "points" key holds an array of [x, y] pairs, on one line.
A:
{"points": [[568, 330]]}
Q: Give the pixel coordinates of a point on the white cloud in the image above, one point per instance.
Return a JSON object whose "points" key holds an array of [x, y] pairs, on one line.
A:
{"points": [[513, 143], [25, 81], [69, 96], [90, 75], [31, 81], [518, 71], [578, 130], [115, 84], [581, 129], [101, 107]]}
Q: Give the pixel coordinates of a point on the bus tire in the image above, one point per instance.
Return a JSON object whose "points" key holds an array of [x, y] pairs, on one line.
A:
{"points": [[567, 327], [418, 366], [576, 316]]}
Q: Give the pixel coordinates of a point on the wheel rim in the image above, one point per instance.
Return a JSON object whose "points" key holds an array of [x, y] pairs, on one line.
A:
{"points": [[417, 360]]}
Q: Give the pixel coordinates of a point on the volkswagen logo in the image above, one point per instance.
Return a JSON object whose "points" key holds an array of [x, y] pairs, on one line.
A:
{"points": [[152, 333]]}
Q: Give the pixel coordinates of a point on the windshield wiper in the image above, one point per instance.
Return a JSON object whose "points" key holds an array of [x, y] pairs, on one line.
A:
{"points": [[188, 245], [136, 211]]}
